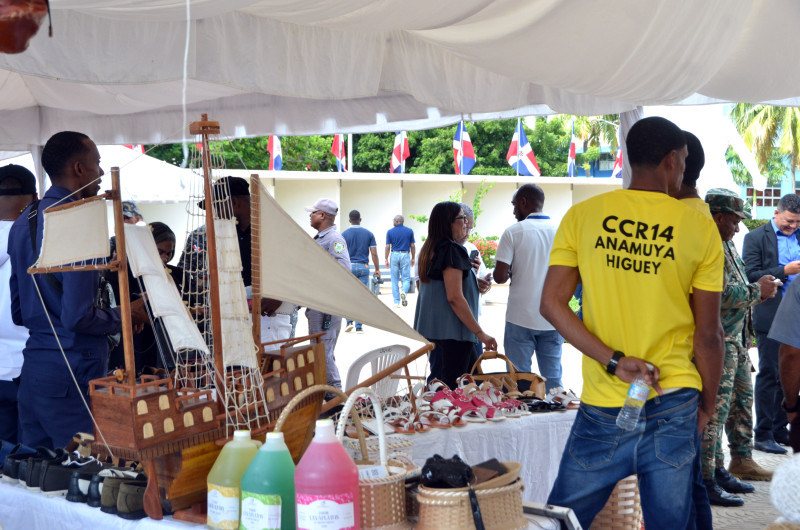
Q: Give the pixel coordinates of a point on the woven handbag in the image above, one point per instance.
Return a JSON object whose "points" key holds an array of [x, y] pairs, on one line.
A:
{"points": [[383, 499], [536, 381], [623, 511], [500, 500]]}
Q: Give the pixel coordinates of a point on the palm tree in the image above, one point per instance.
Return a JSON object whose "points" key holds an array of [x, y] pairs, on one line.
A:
{"points": [[597, 130], [766, 128]]}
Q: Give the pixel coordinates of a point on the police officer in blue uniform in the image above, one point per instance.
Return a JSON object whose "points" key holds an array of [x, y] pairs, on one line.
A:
{"points": [[323, 218], [51, 408]]}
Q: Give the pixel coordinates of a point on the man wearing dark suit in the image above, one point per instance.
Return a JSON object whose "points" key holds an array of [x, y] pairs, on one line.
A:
{"points": [[772, 249]]}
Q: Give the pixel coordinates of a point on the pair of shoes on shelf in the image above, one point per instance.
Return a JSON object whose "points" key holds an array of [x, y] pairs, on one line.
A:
{"points": [[30, 472], [69, 477], [124, 496], [731, 484], [719, 497], [12, 459], [746, 468], [403, 299], [768, 445]]}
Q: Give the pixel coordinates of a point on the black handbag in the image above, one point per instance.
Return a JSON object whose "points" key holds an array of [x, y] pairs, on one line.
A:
{"points": [[439, 472]]}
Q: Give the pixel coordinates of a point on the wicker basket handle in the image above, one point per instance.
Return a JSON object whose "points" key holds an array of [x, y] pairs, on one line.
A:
{"points": [[486, 355], [287, 410], [348, 410]]}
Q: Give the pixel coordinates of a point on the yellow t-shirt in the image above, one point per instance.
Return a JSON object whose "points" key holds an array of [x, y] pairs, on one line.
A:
{"points": [[638, 253], [698, 204]]}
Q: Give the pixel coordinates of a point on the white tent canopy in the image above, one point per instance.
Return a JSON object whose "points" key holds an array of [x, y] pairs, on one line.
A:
{"points": [[114, 68]]}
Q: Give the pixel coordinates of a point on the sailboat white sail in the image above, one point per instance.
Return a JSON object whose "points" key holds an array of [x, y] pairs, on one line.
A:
{"points": [[307, 275], [59, 244]]}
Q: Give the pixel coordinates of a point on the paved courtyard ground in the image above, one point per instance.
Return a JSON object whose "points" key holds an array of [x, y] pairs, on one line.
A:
{"points": [[757, 511]]}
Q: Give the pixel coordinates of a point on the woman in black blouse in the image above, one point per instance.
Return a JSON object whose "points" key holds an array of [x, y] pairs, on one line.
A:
{"points": [[447, 306]]}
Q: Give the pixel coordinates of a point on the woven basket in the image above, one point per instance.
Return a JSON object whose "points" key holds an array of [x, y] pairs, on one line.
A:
{"points": [[396, 444], [623, 511], [382, 500], [501, 508]]}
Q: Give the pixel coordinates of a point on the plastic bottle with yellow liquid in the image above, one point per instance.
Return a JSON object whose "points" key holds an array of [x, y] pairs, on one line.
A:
{"points": [[224, 481]]}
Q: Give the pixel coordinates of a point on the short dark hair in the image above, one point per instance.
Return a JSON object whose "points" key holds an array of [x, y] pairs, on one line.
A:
{"points": [[531, 193], [60, 149], [355, 215], [695, 161], [790, 202], [651, 139]]}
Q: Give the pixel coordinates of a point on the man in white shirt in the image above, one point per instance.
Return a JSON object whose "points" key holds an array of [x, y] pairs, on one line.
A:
{"points": [[522, 256], [17, 190]]}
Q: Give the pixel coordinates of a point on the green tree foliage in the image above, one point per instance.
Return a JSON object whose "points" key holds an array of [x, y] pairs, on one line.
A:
{"points": [[430, 151], [775, 169], [766, 129]]}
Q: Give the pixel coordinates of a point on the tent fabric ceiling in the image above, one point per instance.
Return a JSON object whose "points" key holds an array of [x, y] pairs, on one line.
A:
{"points": [[114, 68]]}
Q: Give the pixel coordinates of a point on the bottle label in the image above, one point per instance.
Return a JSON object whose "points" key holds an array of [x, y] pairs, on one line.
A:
{"points": [[325, 512], [260, 512], [223, 507], [638, 392]]}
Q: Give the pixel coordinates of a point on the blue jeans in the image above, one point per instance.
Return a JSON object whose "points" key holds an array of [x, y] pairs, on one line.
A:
{"points": [[400, 264], [520, 343], [661, 450], [360, 271]]}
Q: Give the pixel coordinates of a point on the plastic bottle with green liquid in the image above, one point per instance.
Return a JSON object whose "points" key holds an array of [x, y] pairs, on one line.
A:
{"points": [[268, 488], [224, 481]]}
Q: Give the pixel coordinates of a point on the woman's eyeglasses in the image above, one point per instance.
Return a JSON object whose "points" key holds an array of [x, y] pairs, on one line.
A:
{"points": [[461, 218]]}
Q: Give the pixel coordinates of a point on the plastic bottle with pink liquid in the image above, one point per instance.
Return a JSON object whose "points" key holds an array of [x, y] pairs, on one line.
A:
{"points": [[326, 484]]}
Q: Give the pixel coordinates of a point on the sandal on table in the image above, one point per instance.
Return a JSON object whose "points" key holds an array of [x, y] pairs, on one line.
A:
{"points": [[484, 405], [435, 419], [565, 397], [449, 403]]}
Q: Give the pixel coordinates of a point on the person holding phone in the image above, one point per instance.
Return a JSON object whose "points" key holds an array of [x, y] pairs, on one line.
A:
{"points": [[447, 307]]}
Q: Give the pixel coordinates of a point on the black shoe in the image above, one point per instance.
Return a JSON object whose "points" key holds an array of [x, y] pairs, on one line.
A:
{"points": [[782, 437], [731, 484], [31, 473], [769, 446], [719, 497], [19, 454]]}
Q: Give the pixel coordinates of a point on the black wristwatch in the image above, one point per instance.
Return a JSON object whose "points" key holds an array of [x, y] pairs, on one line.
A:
{"points": [[611, 367], [796, 407]]}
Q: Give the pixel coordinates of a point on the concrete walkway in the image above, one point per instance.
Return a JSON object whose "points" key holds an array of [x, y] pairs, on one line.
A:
{"points": [[757, 511]]}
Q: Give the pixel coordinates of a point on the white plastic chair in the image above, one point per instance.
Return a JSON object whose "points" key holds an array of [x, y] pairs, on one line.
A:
{"points": [[379, 359]]}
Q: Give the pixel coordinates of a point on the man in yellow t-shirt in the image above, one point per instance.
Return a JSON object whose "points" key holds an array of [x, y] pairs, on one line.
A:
{"points": [[638, 252]]}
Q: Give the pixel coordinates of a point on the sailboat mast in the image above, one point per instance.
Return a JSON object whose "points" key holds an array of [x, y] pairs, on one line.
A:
{"points": [[205, 128], [122, 274], [255, 259]]}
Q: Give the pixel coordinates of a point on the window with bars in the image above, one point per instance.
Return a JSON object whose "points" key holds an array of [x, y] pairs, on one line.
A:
{"points": [[769, 197]]}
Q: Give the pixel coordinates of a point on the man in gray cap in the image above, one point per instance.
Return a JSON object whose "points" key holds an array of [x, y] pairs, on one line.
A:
{"points": [[735, 395], [17, 191], [323, 218]]}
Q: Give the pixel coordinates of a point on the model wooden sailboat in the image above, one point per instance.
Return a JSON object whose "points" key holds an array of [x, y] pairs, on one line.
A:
{"points": [[223, 378]]}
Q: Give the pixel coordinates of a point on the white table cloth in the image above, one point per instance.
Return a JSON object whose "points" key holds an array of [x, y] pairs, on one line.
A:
{"points": [[536, 441]]}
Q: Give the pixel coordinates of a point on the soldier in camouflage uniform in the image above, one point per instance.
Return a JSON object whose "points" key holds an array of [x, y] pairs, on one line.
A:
{"points": [[735, 394]]}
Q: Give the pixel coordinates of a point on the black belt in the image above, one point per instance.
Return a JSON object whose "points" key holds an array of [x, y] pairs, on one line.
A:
{"points": [[402, 251]]}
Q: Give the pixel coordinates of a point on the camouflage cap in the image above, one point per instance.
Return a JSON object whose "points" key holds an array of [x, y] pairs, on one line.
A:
{"points": [[129, 209], [723, 200]]}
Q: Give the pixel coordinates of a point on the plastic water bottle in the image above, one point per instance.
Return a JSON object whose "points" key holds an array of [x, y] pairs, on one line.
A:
{"points": [[637, 396], [326, 484], [225, 478], [268, 488]]}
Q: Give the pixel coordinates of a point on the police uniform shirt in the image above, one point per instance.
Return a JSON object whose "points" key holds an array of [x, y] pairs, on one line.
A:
{"points": [[331, 240]]}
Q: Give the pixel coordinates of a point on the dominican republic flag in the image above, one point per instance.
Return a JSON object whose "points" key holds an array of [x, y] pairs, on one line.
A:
{"points": [[337, 148], [276, 156], [463, 154], [616, 171], [139, 148], [399, 153], [573, 144], [520, 155]]}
